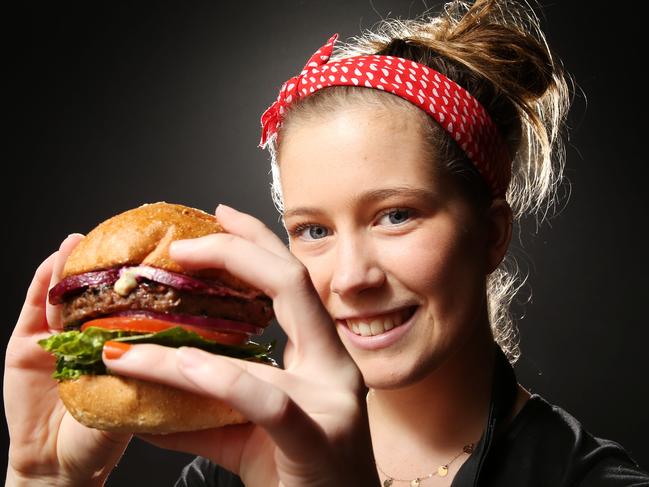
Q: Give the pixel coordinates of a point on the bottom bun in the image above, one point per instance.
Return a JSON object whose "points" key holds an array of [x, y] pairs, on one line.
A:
{"points": [[122, 404]]}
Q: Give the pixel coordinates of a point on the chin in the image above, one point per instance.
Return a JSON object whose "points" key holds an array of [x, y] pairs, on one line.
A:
{"points": [[391, 371], [413, 357]]}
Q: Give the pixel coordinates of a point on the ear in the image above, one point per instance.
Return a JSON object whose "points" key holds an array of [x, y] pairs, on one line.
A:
{"points": [[499, 232]]}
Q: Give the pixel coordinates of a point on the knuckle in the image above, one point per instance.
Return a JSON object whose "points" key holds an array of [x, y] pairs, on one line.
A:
{"points": [[279, 407], [235, 379], [296, 274], [221, 238], [13, 355]]}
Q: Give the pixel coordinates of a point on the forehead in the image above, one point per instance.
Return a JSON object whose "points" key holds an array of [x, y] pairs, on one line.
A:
{"points": [[352, 151]]}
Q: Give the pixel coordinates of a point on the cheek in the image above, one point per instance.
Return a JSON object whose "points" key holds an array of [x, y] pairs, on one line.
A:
{"points": [[319, 271], [440, 265]]}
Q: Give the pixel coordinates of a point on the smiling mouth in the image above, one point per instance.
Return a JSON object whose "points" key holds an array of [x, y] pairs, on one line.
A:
{"points": [[378, 325]]}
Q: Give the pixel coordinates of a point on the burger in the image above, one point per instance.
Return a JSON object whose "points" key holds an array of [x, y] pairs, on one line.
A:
{"points": [[120, 284]]}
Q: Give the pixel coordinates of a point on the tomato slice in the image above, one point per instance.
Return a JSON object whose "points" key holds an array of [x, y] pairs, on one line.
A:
{"points": [[151, 325]]}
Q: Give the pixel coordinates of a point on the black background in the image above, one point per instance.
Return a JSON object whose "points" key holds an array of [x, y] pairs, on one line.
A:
{"points": [[120, 103]]}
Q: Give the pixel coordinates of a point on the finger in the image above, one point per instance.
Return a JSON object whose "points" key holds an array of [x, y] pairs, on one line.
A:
{"points": [[237, 255], [250, 228], [262, 402], [297, 307], [53, 312], [32, 317], [289, 354], [159, 363], [89, 449]]}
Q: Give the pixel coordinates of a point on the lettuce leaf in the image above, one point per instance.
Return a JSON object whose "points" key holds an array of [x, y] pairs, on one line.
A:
{"points": [[79, 352]]}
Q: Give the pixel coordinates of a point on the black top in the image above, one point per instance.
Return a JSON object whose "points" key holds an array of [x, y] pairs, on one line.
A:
{"points": [[543, 446]]}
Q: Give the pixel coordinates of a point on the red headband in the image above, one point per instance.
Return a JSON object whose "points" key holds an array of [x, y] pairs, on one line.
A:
{"points": [[454, 108]]}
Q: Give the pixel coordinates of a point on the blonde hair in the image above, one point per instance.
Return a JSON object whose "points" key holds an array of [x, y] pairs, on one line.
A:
{"points": [[497, 51]]}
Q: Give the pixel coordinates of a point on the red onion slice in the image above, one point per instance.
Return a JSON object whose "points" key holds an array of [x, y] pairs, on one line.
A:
{"points": [[176, 280], [186, 283], [218, 324], [81, 281]]}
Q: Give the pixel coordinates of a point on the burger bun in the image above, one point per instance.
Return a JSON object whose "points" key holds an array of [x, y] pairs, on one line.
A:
{"points": [[123, 404]]}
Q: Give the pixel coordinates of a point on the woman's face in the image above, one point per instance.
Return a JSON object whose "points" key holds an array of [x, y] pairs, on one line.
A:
{"points": [[395, 252]]}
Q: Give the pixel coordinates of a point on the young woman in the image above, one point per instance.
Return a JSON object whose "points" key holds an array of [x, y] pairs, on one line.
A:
{"points": [[399, 167]]}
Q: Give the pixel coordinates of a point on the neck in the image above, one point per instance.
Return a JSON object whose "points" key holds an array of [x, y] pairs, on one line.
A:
{"points": [[440, 413]]}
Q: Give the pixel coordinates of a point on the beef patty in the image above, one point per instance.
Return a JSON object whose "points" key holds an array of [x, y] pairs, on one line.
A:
{"points": [[95, 302]]}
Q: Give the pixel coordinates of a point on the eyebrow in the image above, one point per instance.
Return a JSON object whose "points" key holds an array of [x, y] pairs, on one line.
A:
{"points": [[372, 196]]}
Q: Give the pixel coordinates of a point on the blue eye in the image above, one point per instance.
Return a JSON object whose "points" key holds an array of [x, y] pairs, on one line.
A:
{"points": [[311, 232], [396, 216]]}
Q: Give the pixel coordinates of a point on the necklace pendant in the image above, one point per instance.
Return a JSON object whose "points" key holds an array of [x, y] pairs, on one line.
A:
{"points": [[387, 482], [442, 470], [414, 483]]}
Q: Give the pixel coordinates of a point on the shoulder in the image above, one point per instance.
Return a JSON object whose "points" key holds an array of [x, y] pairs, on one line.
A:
{"points": [[201, 472], [546, 445]]}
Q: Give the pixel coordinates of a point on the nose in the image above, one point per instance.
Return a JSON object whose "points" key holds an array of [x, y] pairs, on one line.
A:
{"points": [[356, 268]]}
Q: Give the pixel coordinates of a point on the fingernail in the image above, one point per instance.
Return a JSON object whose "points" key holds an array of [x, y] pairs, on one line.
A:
{"points": [[180, 246], [221, 208], [114, 350], [63, 242]]}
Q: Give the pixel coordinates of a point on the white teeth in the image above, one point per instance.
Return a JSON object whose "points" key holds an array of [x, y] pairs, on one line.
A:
{"points": [[377, 326], [365, 329]]}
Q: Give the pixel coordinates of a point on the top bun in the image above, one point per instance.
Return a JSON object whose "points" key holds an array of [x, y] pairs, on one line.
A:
{"points": [[141, 236]]}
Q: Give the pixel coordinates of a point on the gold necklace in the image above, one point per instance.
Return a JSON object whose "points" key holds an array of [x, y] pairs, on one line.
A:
{"points": [[442, 470]]}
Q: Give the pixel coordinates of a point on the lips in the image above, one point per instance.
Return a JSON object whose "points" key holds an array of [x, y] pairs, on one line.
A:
{"points": [[378, 324]]}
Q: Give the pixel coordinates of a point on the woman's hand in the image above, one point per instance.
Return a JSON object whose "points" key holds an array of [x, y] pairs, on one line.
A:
{"points": [[309, 424], [48, 446]]}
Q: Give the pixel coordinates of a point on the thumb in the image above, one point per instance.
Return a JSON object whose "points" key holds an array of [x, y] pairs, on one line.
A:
{"points": [[53, 313]]}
